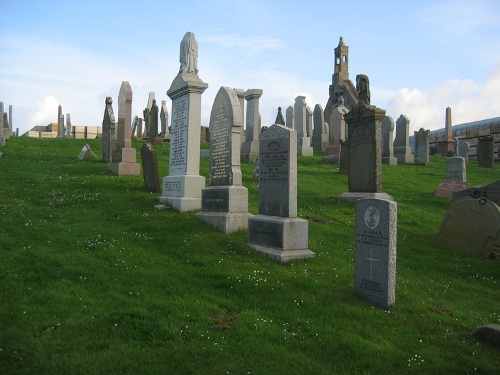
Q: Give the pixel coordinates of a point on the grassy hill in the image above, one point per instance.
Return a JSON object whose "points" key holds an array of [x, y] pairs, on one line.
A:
{"points": [[95, 281]]}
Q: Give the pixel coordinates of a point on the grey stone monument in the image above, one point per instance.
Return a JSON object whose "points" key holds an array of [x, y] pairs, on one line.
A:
{"points": [[289, 117], [150, 168], [337, 132], [224, 204], [300, 122], [421, 154], [2, 138], [448, 144], [11, 121], [280, 120], [108, 131], [155, 137], [463, 150], [134, 127], [490, 191], [456, 178], [344, 158], [124, 155], [165, 134], [60, 126], [386, 141], [68, 125], [241, 99], [375, 254], [485, 152], [139, 128], [320, 135], [277, 231], [402, 149], [250, 148], [182, 187], [365, 165], [147, 128], [309, 125]]}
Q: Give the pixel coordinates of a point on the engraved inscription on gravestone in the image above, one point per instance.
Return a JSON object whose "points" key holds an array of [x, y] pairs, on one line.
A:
{"points": [[220, 170], [215, 200], [179, 138]]}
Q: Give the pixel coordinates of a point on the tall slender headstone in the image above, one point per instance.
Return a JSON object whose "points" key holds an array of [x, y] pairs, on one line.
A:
{"points": [[337, 132], [485, 152], [150, 168], [108, 131], [421, 154], [241, 99], [224, 204], [155, 137], [375, 252], [134, 127], [277, 231], [320, 135], [11, 121], [300, 122], [147, 128], [165, 133], [309, 125], [139, 128], [289, 117], [124, 155], [68, 125], [250, 148], [181, 189], [447, 146], [386, 141], [402, 149], [60, 126], [463, 149]]}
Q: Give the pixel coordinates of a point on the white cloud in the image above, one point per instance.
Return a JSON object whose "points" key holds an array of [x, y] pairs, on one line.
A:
{"points": [[45, 111]]}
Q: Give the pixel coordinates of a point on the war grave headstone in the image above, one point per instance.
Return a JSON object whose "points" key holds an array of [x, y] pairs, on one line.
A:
{"points": [[224, 203], [68, 126], [447, 146], [108, 131], [387, 141], [165, 133], [277, 231], [421, 154], [250, 148], [456, 178], [320, 135], [485, 152], [300, 122], [150, 168], [289, 121], [473, 226], [375, 251], [365, 166], [181, 189], [154, 136], [401, 146], [280, 120], [124, 155], [490, 191], [337, 132], [463, 150]]}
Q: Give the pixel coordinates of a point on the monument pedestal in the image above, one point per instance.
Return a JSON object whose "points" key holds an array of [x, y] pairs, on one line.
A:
{"points": [[182, 192], [280, 238], [157, 140], [225, 208], [305, 148], [403, 155], [125, 165]]}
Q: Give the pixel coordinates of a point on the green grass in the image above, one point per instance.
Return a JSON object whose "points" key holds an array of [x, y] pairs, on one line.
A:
{"points": [[95, 281]]}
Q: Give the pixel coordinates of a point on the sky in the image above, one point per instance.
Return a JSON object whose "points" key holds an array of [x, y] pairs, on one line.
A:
{"points": [[420, 56]]}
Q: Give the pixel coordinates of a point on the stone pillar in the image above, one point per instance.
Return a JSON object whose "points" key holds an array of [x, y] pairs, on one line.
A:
{"points": [[154, 137], [11, 125], [309, 124], [447, 146], [300, 122], [250, 148], [68, 126], [60, 126]]}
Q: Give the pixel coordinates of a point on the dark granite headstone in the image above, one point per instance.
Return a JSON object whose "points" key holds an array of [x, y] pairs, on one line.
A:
{"points": [[150, 168], [108, 131], [485, 152]]}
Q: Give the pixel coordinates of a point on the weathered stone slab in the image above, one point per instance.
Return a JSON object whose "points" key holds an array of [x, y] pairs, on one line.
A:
{"points": [[375, 253], [473, 226], [150, 168], [490, 191], [386, 141], [463, 149], [421, 154], [108, 131], [485, 152], [455, 169], [84, 153], [401, 145], [300, 122], [250, 148]]}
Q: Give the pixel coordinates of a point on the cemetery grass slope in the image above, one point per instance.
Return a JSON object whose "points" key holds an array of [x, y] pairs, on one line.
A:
{"points": [[95, 281]]}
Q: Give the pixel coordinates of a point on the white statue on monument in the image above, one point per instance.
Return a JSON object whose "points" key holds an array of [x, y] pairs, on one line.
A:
{"points": [[189, 54]]}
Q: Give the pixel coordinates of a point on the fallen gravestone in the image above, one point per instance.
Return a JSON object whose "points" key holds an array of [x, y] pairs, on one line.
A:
{"points": [[86, 151], [375, 253]]}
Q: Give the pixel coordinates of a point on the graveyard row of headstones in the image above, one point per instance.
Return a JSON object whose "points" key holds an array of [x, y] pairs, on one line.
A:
{"points": [[6, 126]]}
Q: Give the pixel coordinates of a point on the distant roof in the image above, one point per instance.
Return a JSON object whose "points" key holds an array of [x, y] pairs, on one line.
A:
{"points": [[470, 125]]}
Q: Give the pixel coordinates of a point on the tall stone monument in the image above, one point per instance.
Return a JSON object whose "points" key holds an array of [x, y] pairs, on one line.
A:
{"points": [[147, 133], [165, 133], [375, 252], [68, 126], [181, 189], [447, 146], [108, 131], [386, 141], [241, 98], [300, 122], [402, 149], [60, 126], [277, 231], [250, 148], [124, 155], [224, 204], [421, 154], [320, 134], [309, 125], [338, 133], [155, 137]]}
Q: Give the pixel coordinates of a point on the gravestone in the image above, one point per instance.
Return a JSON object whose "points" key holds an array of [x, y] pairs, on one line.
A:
{"points": [[463, 150], [150, 168], [68, 126], [280, 120], [320, 135], [124, 155], [309, 125], [337, 133], [6, 128], [108, 131], [165, 134], [181, 189], [447, 146], [139, 128], [277, 231], [85, 152], [402, 149], [224, 203], [11, 121], [155, 138], [456, 178], [289, 117], [386, 141], [365, 167], [146, 114], [241, 98], [472, 225], [300, 122], [344, 158], [60, 126], [490, 191], [421, 155], [134, 127], [2, 138], [375, 252], [485, 152], [250, 148]]}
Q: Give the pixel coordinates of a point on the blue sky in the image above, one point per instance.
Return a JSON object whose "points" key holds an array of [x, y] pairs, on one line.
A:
{"points": [[420, 56]]}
